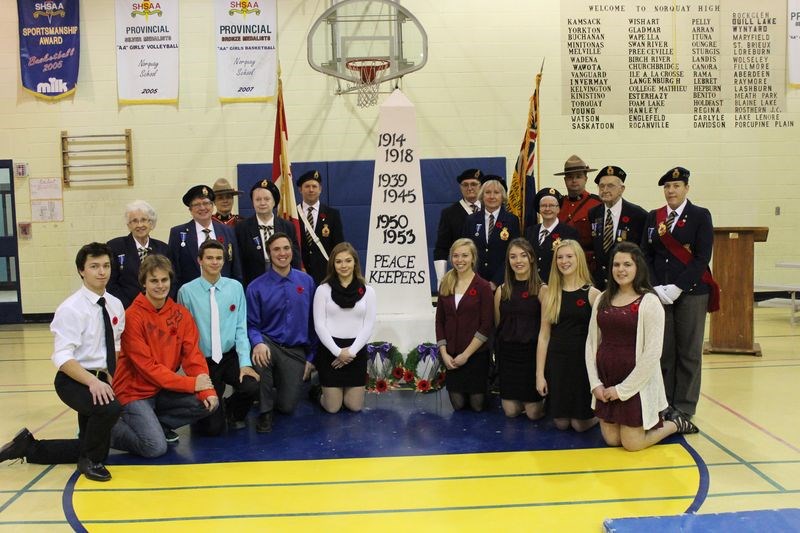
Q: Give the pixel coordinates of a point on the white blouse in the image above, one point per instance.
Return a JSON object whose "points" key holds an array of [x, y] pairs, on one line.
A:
{"points": [[330, 320]]}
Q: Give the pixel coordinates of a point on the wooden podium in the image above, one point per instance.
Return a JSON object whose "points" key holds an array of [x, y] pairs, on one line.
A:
{"points": [[732, 325]]}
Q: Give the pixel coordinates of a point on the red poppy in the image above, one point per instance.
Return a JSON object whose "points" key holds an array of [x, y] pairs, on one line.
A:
{"points": [[634, 307], [423, 385], [581, 302], [361, 291], [498, 224], [381, 385], [233, 307], [555, 236], [173, 331], [473, 292], [300, 289], [626, 219], [221, 238], [681, 223], [323, 216], [115, 321], [525, 294], [408, 376]]}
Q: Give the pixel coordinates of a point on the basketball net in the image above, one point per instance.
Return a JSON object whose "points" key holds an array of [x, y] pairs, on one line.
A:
{"points": [[370, 73]]}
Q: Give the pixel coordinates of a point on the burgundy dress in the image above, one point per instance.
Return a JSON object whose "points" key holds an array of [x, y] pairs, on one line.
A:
{"points": [[616, 358]]}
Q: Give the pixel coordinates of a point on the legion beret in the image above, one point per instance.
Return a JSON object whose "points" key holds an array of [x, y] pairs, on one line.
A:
{"points": [[547, 191], [675, 174], [268, 185], [610, 170], [470, 174], [198, 191], [310, 175], [492, 177]]}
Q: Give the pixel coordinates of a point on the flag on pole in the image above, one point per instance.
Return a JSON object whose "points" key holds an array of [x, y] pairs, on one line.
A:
{"points": [[282, 168], [523, 171]]}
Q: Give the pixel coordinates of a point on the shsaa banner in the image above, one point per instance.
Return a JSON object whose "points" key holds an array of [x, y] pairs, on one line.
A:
{"points": [[49, 47], [147, 52], [247, 56], [793, 46]]}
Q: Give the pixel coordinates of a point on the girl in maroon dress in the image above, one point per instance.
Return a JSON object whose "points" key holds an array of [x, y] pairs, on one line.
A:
{"points": [[623, 353]]}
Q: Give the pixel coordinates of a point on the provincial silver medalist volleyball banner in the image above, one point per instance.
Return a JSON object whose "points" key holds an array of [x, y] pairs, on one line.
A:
{"points": [[147, 52]]}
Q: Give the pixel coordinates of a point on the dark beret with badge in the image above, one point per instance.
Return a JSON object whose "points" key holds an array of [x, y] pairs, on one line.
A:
{"points": [[308, 176], [547, 191], [198, 191], [470, 174], [675, 174], [610, 170], [268, 185], [492, 177]]}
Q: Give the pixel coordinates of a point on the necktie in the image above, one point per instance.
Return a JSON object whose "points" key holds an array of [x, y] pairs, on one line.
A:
{"points": [[216, 341], [310, 218], [542, 236], [111, 356], [474, 208], [490, 229], [143, 252], [608, 231], [266, 233], [207, 231], [670, 220]]}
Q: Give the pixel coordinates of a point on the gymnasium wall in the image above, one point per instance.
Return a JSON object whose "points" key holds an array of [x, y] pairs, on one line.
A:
{"points": [[471, 101]]}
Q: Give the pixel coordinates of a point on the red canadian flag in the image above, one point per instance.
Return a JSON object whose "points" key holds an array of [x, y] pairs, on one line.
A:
{"points": [[282, 168]]}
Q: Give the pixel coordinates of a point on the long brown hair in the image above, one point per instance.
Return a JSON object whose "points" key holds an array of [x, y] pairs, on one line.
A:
{"points": [[641, 281], [330, 270], [448, 285], [552, 303], [534, 281]]}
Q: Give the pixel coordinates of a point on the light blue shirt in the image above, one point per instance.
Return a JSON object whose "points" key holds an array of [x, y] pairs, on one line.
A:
{"points": [[232, 305]]}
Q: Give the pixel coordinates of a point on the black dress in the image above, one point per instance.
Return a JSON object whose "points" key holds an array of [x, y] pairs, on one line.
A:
{"points": [[567, 381], [353, 374], [517, 335]]}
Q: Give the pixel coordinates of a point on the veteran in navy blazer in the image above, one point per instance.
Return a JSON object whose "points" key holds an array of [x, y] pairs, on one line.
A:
{"points": [[491, 229], [327, 225], [129, 251], [546, 235], [625, 221], [252, 233], [185, 239], [677, 244]]}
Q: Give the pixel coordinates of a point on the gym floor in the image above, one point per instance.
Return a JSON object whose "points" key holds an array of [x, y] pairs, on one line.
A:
{"points": [[409, 462]]}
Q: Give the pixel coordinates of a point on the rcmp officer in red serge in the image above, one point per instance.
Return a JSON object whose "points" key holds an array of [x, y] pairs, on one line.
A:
{"points": [[185, 239], [323, 220], [547, 235], [451, 221], [223, 200], [615, 220], [576, 205], [677, 243]]}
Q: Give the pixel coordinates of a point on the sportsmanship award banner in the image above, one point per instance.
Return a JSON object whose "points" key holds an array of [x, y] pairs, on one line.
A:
{"points": [[247, 56], [49, 47], [147, 52]]}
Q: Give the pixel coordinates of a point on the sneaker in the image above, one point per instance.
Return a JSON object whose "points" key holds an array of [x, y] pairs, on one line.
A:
{"points": [[171, 436], [264, 423]]}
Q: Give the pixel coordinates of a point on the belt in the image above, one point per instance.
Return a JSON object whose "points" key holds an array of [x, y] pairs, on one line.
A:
{"points": [[98, 372]]}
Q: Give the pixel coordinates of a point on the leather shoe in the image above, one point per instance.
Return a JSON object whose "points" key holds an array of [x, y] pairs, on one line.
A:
{"points": [[92, 470], [264, 423], [17, 447]]}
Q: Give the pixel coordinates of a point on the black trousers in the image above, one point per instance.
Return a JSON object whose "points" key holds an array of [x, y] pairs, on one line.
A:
{"points": [[94, 422], [226, 372]]}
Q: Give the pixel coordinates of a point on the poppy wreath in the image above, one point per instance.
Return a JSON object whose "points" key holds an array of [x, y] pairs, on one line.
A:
{"points": [[424, 365], [384, 366]]}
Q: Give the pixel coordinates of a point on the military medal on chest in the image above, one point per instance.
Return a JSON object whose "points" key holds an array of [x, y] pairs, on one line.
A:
{"points": [[662, 229], [326, 231], [504, 234]]}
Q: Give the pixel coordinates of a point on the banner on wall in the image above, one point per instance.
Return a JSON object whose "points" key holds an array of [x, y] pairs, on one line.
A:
{"points": [[49, 47], [247, 55], [793, 46], [147, 51]]}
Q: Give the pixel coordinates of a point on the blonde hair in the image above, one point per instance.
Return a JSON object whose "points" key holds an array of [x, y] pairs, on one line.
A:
{"points": [[552, 303], [496, 183], [534, 281], [448, 285]]}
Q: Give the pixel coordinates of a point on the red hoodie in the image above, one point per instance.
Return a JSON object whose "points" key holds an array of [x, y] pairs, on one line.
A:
{"points": [[155, 344]]}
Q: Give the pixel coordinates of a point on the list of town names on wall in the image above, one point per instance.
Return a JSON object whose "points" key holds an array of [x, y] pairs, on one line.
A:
{"points": [[649, 65]]}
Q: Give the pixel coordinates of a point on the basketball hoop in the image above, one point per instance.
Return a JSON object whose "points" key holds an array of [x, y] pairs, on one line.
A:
{"points": [[370, 72]]}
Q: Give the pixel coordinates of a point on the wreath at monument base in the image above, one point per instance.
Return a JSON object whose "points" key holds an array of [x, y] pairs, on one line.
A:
{"points": [[423, 370], [384, 367]]}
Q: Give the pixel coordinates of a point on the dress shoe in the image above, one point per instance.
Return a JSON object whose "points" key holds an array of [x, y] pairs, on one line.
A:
{"points": [[264, 423], [17, 448], [92, 470], [235, 424]]}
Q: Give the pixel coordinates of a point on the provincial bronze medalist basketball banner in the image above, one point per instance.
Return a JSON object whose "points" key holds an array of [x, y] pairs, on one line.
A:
{"points": [[247, 55], [147, 51], [49, 47]]}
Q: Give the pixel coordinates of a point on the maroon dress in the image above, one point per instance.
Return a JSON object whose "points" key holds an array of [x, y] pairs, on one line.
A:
{"points": [[616, 358]]}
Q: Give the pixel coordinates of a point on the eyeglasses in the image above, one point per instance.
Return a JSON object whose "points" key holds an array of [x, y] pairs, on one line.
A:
{"points": [[137, 221], [472, 185], [548, 206], [204, 203]]}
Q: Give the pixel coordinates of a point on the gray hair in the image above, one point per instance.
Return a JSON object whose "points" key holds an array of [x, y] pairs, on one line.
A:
{"points": [[498, 184], [144, 207]]}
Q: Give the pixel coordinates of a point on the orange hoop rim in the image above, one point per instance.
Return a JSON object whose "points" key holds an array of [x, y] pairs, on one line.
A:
{"points": [[367, 67]]}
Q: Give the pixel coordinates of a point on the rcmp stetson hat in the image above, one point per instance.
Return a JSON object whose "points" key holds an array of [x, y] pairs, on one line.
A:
{"points": [[574, 164], [470, 174], [310, 175], [547, 191], [198, 191], [675, 174], [610, 170], [223, 186], [267, 183]]}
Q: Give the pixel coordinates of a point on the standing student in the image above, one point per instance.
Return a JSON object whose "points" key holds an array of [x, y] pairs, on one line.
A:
{"points": [[517, 314], [623, 351], [344, 318], [560, 354], [464, 321]]}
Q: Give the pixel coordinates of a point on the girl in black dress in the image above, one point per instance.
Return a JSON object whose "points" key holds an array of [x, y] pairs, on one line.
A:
{"points": [[517, 314], [560, 354]]}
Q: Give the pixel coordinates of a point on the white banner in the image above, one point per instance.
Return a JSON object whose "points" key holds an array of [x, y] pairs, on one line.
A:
{"points": [[147, 51], [793, 46], [247, 55]]}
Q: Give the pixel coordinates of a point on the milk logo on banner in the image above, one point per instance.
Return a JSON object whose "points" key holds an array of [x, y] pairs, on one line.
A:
{"points": [[49, 47]]}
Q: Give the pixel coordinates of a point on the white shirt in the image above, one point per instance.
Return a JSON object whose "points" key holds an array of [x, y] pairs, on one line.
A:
{"points": [[330, 320], [468, 206], [315, 212], [139, 246], [201, 235], [678, 213], [616, 212], [496, 212], [79, 332]]}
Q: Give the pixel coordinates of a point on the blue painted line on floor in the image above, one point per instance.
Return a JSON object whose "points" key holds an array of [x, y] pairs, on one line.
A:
{"points": [[742, 461], [24, 489], [702, 489]]}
